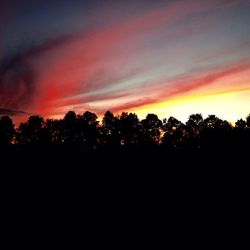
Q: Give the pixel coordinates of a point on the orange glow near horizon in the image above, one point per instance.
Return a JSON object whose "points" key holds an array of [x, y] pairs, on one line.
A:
{"points": [[171, 58], [219, 104]]}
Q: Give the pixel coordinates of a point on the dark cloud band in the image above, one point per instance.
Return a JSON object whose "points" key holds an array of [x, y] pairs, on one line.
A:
{"points": [[11, 112]]}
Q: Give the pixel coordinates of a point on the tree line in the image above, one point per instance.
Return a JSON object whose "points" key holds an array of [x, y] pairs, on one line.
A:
{"points": [[83, 132]]}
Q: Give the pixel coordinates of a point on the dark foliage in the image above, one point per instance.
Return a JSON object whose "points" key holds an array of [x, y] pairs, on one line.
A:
{"points": [[123, 155], [126, 136], [7, 131]]}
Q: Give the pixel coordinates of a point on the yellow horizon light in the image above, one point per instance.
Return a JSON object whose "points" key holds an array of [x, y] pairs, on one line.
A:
{"points": [[229, 105]]}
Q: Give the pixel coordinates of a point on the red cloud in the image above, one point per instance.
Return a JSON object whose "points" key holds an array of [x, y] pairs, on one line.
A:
{"points": [[70, 65], [65, 67], [207, 79], [180, 85]]}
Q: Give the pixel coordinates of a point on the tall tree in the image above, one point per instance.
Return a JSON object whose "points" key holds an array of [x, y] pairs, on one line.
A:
{"points": [[248, 121], [174, 133], [171, 124], [194, 126], [87, 130], [131, 131], [212, 121], [195, 122], [241, 124], [69, 124], [54, 131], [7, 130], [30, 132], [215, 134], [152, 127], [109, 132]]}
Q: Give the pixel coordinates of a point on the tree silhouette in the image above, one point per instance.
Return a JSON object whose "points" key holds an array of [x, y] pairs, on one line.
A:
{"points": [[7, 130], [69, 128], [241, 124], [215, 133], [54, 131], [241, 135], [195, 122], [87, 130], [109, 132], [30, 132], [170, 125], [174, 133], [212, 122], [194, 126], [131, 130], [248, 121], [126, 134], [152, 127]]}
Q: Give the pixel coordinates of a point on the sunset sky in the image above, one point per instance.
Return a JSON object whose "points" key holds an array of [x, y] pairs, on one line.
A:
{"points": [[168, 57]]}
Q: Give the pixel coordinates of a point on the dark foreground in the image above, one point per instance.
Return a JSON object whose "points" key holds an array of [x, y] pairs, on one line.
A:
{"points": [[146, 184], [123, 149]]}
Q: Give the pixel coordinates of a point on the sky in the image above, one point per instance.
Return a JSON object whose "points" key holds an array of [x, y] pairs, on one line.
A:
{"points": [[168, 57]]}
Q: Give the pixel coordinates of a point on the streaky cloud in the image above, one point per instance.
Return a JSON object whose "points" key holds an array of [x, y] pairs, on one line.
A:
{"points": [[11, 112]]}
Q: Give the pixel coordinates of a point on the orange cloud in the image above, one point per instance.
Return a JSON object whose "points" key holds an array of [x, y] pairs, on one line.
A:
{"points": [[68, 70], [196, 82], [71, 65]]}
